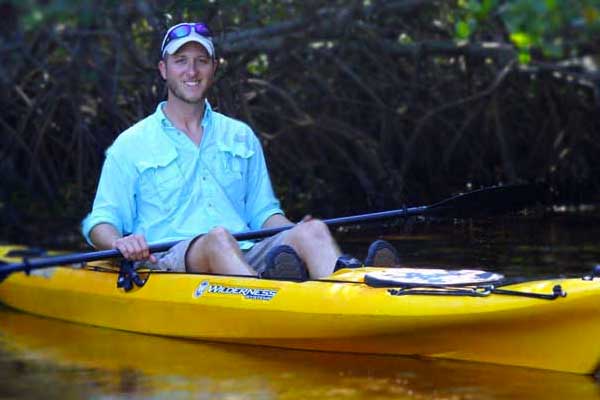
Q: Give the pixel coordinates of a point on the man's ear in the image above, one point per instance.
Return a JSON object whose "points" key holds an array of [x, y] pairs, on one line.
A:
{"points": [[162, 67], [215, 65]]}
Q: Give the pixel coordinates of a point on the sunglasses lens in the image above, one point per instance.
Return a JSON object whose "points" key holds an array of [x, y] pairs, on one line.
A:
{"points": [[202, 29], [180, 31]]}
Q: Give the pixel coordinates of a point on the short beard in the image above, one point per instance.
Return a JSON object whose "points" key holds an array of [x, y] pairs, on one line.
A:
{"points": [[174, 89]]}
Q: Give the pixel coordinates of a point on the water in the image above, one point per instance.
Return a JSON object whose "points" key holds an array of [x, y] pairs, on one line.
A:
{"points": [[44, 358], [518, 246]]}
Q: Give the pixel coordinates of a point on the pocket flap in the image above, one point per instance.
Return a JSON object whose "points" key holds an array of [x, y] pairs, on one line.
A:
{"points": [[158, 159], [237, 144]]}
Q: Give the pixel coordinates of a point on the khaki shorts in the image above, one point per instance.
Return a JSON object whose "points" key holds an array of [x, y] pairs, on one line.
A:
{"points": [[174, 258]]}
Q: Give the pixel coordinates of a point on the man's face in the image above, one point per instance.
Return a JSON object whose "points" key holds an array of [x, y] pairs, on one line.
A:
{"points": [[189, 73]]}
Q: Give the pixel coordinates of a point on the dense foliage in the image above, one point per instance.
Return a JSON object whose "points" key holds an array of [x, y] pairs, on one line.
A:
{"points": [[361, 105]]}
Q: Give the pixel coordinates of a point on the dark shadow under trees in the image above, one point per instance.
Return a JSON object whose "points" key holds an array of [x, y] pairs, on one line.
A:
{"points": [[359, 108]]}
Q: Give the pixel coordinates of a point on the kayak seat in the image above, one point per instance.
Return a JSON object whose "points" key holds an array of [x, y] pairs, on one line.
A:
{"points": [[382, 254], [282, 262]]}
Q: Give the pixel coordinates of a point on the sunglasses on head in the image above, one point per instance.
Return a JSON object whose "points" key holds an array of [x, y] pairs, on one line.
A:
{"points": [[183, 30]]}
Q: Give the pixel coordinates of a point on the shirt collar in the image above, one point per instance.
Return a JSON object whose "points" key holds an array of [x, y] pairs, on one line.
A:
{"points": [[165, 123]]}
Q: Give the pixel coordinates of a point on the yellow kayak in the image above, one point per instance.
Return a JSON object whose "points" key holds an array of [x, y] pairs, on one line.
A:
{"points": [[526, 324]]}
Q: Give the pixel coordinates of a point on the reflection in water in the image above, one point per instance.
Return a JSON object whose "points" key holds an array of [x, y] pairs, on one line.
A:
{"points": [[43, 358]]}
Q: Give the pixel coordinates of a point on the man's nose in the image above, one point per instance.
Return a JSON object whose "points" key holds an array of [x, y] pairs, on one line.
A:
{"points": [[192, 67]]}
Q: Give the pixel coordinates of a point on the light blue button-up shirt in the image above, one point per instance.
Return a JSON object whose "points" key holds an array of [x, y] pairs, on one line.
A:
{"points": [[155, 181]]}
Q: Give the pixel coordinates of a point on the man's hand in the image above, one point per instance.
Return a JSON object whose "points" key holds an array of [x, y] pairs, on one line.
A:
{"points": [[134, 248], [306, 218]]}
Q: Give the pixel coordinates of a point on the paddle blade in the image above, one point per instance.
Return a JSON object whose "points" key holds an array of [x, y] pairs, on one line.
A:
{"points": [[3, 275], [492, 200]]}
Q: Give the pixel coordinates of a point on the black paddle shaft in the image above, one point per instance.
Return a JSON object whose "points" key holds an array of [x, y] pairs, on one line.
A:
{"points": [[483, 201], [487, 201]]}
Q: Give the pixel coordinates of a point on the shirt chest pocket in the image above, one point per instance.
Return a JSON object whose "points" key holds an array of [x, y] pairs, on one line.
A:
{"points": [[234, 166], [161, 181]]}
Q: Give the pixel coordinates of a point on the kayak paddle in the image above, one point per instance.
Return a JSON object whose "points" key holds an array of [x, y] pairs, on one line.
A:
{"points": [[483, 201]]}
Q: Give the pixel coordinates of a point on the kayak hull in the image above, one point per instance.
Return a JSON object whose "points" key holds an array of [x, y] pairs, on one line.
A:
{"points": [[340, 314]]}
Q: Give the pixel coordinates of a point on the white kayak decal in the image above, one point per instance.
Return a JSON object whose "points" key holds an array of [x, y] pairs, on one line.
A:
{"points": [[247, 293], [430, 277]]}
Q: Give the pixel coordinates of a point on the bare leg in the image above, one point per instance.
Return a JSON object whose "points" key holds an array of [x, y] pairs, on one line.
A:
{"points": [[217, 252], [315, 245]]}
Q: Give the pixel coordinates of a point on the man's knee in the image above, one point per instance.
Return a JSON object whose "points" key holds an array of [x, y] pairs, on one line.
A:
{"points": [[313, 230], [216, 240], [219, 238]]}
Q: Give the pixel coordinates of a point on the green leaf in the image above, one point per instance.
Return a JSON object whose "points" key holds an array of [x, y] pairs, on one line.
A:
{"points": [[486, 7], [524, 57], [591, 15], [551, 4], [463, 30], [521, 39]]}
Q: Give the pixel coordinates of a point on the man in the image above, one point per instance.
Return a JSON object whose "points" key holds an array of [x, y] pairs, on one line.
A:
{"points": [[187, 170]]}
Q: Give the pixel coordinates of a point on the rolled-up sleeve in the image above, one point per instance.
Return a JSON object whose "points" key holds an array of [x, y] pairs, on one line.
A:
{"points": [[261, 202], [115, 198]]}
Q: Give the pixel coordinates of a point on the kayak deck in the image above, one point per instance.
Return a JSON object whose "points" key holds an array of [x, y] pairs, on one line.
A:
{"points": [[340, 314]]}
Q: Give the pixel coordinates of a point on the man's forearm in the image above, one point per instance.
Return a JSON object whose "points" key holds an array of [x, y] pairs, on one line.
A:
{"points": [[275, 221], [103, 236]]}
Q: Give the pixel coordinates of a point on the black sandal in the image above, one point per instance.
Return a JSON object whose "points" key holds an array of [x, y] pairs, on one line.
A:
{"points": [[382, 254], [283, 263]]}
